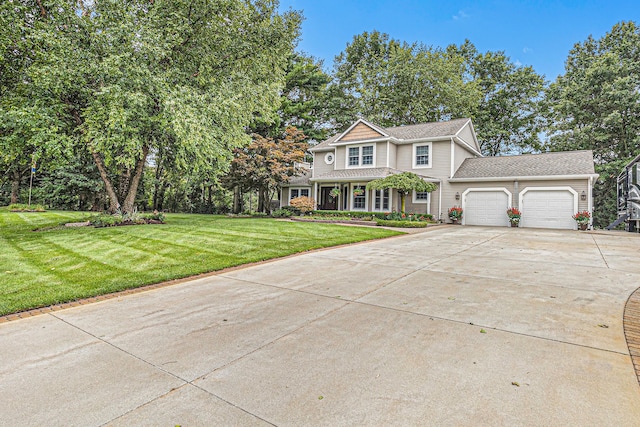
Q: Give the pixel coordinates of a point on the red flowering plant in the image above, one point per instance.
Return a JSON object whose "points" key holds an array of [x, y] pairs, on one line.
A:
{"points": [[455, 213], [514, 215], [582, 217]]}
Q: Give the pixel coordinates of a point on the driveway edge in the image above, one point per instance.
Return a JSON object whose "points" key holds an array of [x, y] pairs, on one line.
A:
{"points": [[631, 325]]}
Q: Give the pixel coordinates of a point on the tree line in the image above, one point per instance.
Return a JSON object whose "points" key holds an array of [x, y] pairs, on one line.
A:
{"points": [[195, 105]]}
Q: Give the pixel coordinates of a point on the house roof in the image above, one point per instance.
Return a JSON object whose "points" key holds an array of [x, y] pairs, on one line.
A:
{"points": [[528, 165], [364, 174], [302, 179], [409, 132]]}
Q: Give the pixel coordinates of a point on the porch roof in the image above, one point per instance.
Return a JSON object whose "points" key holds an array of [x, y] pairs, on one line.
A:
{"points": [[364, 174]]}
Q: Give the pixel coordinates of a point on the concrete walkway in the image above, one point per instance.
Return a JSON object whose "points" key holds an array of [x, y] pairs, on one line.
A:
{"points": [[454, 326]]}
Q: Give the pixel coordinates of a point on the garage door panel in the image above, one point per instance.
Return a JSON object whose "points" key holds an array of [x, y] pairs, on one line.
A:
{"points": [[486, 208], [548, 209]]}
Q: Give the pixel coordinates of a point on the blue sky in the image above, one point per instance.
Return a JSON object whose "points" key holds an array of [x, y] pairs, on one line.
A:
{"points": [[537, 33]]}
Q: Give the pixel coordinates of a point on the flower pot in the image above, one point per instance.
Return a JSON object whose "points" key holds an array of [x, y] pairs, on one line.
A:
{"points": [[454, 220], [583, 226], [514, 224]]}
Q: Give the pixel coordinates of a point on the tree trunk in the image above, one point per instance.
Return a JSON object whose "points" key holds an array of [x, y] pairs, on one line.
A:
{"points": [[114, 203], [15, 186], [130, 200], [266, 200], [402, 204], [237, 205], [260, 207]]}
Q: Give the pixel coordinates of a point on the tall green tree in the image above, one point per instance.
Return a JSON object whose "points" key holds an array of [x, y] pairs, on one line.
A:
{"points": [[395, 83], [302, 98], [507, 117], [30, 123], [131, 77], [595, 105]]}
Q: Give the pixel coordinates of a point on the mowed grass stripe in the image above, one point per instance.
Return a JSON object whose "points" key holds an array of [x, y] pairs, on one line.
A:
{"points": [[62, 264]]}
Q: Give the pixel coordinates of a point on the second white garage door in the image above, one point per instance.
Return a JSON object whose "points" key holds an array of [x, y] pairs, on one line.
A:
{"points": [[546, 208], [486, 208]]}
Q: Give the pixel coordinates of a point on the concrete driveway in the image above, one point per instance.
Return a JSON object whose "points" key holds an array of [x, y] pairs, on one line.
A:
{"points": [[454, 326]]}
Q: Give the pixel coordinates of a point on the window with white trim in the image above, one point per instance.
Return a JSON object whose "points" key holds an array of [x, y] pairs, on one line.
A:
{"points": [[359, 201], [362, 155], [381, 200], [298, 192], [354, 156], [422, 155], [420, 197]]}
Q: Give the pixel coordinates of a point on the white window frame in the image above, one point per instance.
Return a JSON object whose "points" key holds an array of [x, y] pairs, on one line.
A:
{"points": [[418, 201], [359, 165], [415, 149], [352, 197], [299, 192], [381, 208]]}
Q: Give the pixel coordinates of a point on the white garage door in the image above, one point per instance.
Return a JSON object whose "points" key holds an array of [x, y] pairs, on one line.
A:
{"points": [[548, 209], [486, 208]]}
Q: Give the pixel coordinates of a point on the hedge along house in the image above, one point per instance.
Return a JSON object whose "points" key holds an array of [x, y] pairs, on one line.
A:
{"points": [[549, 188]]}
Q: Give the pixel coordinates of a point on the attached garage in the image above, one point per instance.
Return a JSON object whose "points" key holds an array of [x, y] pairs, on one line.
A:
{"points": [[548, 207], [548, 188], [486, 206]]}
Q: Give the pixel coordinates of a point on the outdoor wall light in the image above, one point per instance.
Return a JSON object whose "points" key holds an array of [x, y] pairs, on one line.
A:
{"points": [[583, 196], [458, 196]]}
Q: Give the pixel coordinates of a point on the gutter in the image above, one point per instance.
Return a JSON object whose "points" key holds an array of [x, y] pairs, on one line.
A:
{"points": [[526, 178]]}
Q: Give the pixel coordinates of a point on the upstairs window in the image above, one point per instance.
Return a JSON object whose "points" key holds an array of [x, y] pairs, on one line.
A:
{"points": [[367, 155], [354, 156], [361, 156], [422, 155]]}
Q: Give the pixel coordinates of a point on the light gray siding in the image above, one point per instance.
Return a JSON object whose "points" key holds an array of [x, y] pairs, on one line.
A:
{"points": [[467, 136], [393, 150], [320, 167]]}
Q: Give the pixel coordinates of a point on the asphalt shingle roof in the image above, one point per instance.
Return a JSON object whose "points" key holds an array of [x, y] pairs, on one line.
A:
{"points": [[424, 130], [302, 179], [545, 164]]}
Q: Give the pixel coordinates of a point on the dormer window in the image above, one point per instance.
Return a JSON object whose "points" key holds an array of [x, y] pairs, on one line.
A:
{"points": [[361, 155]]}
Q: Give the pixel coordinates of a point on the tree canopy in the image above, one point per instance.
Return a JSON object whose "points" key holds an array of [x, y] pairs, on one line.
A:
{"points": [[595, 105], [405, 183], [131, 78]]}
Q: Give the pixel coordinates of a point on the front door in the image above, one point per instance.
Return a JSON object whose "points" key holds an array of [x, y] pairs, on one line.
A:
{"points": [[327, 203]]}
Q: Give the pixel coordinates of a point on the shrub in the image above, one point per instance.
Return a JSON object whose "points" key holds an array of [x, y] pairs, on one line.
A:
{"points": [[105, 220], [349, 214], [402, 224], [21, 207], [292, 209], [155, 216], [401, 216], [282, 213], [303, 203]]}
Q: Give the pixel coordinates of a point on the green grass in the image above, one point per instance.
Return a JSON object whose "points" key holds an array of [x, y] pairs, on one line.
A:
{"points": [[61, 264]]}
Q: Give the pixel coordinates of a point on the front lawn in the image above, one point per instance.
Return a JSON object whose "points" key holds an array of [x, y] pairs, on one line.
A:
{"points": [[40, 268]]}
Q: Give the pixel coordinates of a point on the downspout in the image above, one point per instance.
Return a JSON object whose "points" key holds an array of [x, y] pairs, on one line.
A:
{"points": [[590, 201], [439, 200]]}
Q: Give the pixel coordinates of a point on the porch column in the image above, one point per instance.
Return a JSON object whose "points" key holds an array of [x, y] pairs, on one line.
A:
{"points": [[315, 195]]}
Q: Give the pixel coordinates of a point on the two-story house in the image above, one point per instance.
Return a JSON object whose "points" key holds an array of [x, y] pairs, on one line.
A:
{"points": [[549, 188]]}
